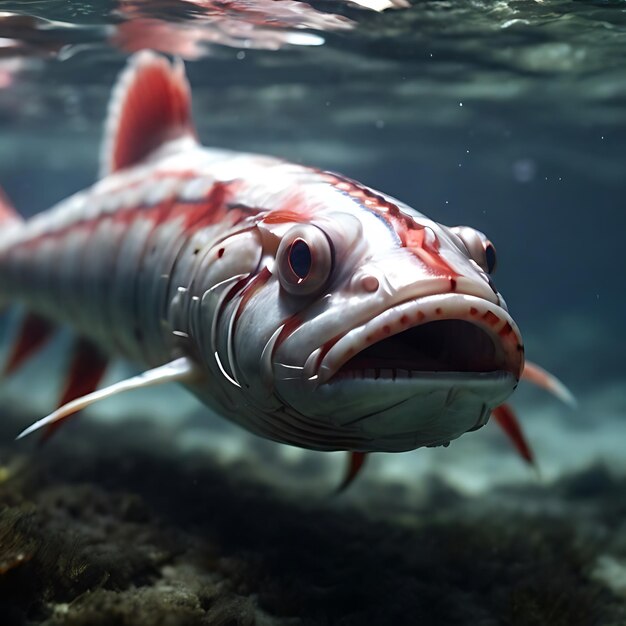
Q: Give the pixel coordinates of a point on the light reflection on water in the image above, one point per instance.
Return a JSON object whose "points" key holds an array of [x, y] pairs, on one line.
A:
{"points": [[187, 28]]}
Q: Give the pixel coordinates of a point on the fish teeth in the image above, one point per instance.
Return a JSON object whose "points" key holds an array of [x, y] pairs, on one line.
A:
{"points": [[375, 374]]}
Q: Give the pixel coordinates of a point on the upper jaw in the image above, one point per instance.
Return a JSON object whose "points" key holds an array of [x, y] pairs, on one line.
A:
{"points": [[500, 337]]}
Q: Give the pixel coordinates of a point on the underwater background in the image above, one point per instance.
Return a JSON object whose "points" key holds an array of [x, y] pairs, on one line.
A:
{"points": [[508, 116]]}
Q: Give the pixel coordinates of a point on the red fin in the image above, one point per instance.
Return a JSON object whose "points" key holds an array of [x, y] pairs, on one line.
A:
{"points": [[33, 335], [86, 371], [509, 423], [150, 106], [356, 460], [7, 211], [181, 370], [542, 378]]}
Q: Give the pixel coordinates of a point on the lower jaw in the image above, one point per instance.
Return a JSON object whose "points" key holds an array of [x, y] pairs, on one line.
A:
{"points": [[419, 378], [396, 415], [381, 373]]}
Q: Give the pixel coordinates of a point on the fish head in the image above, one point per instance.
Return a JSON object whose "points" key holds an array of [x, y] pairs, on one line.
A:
{"points": [[375, 329]]}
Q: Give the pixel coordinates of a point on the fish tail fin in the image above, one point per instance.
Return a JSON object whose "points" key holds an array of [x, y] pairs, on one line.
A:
{"points": [[8, 214], [10, 219]]}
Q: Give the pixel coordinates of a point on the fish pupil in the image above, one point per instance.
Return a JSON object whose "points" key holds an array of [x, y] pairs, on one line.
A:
{"points": [[490, 257], [300, 258]]}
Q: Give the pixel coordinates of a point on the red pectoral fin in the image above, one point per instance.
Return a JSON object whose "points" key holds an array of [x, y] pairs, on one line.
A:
{"points": [[509, 423], [86, 371], [181, 370], [356, 460], [33, 335], [542, 378]]}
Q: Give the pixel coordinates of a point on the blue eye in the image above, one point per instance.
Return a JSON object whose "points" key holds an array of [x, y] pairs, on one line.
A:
{"points": [[490, 258], [300, 258]]}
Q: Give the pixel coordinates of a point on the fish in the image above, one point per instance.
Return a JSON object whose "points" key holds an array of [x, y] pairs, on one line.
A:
{"points": [[308, 308]]}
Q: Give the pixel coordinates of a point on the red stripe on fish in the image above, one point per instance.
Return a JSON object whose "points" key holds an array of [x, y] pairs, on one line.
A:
{"points": [[236, 288], [284, 216], [213, 208], [197, 214], [290, 324], [326, 347], [411, 234], [251, 288]]}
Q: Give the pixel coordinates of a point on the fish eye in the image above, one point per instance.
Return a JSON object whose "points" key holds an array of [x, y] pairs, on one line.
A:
{"points": [[490, 257], [479, 248], [304, 260], [300, 258]]}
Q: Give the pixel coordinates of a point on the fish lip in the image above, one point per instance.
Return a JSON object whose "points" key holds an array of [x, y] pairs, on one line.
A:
{"points": [[418, 311]]}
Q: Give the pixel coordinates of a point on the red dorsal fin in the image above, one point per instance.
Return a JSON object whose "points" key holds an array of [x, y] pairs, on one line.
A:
{"points": [[150, 106], [509, 423], [33, 335], [86, 371], [356, 461]]}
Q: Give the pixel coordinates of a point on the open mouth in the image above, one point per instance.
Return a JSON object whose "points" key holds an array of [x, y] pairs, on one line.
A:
{"points": [[436, 334], [439, 346]]}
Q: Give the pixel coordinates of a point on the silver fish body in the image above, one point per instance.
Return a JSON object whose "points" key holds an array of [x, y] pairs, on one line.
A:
{"points": [[315, 311]]}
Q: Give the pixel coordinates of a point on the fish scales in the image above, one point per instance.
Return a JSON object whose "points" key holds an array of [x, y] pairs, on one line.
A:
{"points": [[102, 274]]}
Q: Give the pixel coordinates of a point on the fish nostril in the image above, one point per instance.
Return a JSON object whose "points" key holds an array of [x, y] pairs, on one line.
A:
{"points": [[370, 283]]}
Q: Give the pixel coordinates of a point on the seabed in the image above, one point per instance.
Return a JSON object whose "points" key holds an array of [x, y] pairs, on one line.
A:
{"points": [[99, 528]]}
